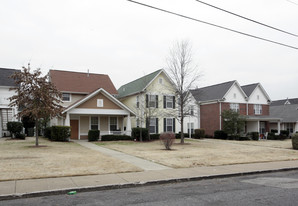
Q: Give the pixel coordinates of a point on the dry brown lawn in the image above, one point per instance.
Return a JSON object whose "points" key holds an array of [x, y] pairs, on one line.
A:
{"points": [[208, 152], [19, 159]]}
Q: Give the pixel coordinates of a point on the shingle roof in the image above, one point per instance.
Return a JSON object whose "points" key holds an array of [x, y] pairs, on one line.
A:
{"points": [[213, 92], [283, 101], [288, 112], [78, 82], [137, 85], [4, 76], [248, 89]]}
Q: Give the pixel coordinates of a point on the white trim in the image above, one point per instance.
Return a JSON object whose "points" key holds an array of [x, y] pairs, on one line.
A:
{"points": [[162, 70], [106, 94], [99, 111], [236, 82]]}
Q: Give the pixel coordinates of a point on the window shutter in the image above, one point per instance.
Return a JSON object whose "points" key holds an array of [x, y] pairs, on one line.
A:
{"points": [[156, 101], [174, 129], [165, 124], [146, 100], [156, 125], [164, 102], [174, 102], [147, 123]]}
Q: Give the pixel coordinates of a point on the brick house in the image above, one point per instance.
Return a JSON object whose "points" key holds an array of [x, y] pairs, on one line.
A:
{"points": [[89, 103], [252, 101], [6, 113]]}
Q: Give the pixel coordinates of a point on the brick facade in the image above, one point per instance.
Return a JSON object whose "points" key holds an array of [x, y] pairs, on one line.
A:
{"points": [[210, 115]]}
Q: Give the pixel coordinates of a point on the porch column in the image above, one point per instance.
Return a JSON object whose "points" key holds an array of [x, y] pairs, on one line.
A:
{"points": [[278, 127], [128, 125], [296, 127], [0, 123], [258, 126], [67, 120]]}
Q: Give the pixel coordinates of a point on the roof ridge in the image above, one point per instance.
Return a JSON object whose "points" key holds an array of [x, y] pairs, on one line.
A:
{"points": [[250, 84], [215, 85], [140, 78], [77, 72]]}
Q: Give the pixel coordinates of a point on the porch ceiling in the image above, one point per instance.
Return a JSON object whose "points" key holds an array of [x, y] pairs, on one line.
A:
{"points": [[263, 118]]}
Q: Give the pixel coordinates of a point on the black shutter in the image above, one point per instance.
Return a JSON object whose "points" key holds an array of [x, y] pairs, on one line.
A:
{"points": [[174, 102], [165, 124], [164, 102], [156, 125], [146, 100], [156, 96], [174, 125], [147, 123]]}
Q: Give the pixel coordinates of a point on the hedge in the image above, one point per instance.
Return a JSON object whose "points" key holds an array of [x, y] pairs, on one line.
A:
{"points": [[154, 136], [220, 134], [93, 135], [14, 128], [60, 133], [284, 133], [254, 135], [111, 137], [136, 131], [47, 132], [199, 133], [295, 141]]}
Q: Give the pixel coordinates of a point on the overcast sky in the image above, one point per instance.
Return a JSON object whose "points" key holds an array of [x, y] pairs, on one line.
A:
{"points": [[126, 41]]}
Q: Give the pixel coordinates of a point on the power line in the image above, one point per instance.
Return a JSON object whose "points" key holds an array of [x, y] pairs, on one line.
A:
{"points": [[292, 2], [211, 24], [248, 19]]}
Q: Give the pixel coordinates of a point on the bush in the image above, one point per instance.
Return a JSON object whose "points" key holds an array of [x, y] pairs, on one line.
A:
{"points": [[136, 131], [167, 138], [254, 136], [199, 133], [93, 135], [111, 137], [271, 135], [295, 141], [220, 134], [208, 136], [284, 133], [14, 128], [60, 133], [47, 132], [274, 131], [30, 132], [20, 136], [178, 135], [154, 136]]}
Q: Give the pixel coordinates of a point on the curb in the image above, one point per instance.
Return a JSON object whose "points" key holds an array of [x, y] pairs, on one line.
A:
{"points": [[137, 184]]}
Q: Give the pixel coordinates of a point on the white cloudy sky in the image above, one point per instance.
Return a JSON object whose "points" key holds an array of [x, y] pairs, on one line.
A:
{"points": [[126, 41]]}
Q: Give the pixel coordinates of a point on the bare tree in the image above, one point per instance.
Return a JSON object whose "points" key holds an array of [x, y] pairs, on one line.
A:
{"points": [[36, 96], [184, 75]]}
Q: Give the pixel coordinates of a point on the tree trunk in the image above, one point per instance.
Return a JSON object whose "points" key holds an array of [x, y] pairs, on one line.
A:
{"points": [[36, 132], [182, 134]]}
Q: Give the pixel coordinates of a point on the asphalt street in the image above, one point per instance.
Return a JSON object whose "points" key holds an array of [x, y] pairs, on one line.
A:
{"points": [[279, 188]]}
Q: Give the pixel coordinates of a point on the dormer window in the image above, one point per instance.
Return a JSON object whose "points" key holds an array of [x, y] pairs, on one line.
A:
{"points": [[66, 97], [235, 95], [160, 80]]}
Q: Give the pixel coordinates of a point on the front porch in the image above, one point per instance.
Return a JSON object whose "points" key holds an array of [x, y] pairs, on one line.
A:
{"points": [[107, 124]]}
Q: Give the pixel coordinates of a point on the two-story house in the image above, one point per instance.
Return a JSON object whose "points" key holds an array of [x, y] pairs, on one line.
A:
{"points": [[89, 103], [287, 110], [6, 113], [152, 98], [252, 101]]}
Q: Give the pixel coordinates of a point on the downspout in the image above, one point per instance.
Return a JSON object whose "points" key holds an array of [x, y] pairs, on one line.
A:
{"points": [[219, 115]]}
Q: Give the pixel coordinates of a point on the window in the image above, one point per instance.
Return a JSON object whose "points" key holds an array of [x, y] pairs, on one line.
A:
{"points": [[113, 123], [190, 127], [235, 95], [191, 110], [258, 97], [99, 102], [152, 101], [289, 127], [138, 102], [153, 125], [258, 109], [138, 122], [94, 123], [169, 102], [234, 107], [160, 80], [169, 125], [66, 97]]}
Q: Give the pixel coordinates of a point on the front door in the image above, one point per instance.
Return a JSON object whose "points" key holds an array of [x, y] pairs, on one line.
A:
{"points": [[262, 128], [74, 129]]}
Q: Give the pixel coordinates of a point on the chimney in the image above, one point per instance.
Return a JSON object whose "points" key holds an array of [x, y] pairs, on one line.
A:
{"points": [[88, 73]]}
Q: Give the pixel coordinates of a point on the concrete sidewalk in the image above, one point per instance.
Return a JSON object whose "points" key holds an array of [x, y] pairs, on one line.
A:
{"points": [[138, 162], [50, 186]]}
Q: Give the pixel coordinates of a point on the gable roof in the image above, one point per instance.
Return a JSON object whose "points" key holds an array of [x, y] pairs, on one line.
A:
{"points": [[213, 92], [89, 96], [79, 82], [4, 77], [283, 101], [248, 89], [137, 85]]}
